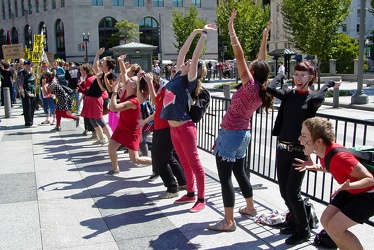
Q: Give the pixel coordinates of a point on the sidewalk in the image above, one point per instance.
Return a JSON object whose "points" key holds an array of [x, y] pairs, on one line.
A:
{"points": [[55, 195]]}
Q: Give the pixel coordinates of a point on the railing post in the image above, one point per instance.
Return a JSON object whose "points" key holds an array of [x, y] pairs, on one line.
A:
{"points": [[226, 93]]}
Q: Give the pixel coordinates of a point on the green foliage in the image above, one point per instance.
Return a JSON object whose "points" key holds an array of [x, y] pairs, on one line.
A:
{"points": [[220, 86], [127, 31], [250, 22], [183, 24], [312, 25], [330, 93]]}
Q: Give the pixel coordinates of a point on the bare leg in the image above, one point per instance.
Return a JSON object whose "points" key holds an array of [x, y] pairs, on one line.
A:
{"points": [[107, 131], [134, 157], [229, 215], [99, 132], [112, 151]]}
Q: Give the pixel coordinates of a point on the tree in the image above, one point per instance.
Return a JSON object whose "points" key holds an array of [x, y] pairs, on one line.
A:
{"points": [[250, 22], [312, 25], [183, 24], [127, 31]]}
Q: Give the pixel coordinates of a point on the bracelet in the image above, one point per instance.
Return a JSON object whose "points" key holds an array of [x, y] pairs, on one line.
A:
{"points": [[114, 93], [232, 33], [233, 45], [233, 36]]}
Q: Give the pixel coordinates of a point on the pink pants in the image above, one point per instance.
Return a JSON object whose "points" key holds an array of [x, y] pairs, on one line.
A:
{"points": [[184, 141], [112, 120]]}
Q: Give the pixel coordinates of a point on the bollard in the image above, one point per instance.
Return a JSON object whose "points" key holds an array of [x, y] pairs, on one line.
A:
{"points": [[226, 94], [335, 98], [7, 103]]}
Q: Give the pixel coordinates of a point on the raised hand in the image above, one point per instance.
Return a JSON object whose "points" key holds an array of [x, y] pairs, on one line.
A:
{"points": [[231, 20], [210, 26]]}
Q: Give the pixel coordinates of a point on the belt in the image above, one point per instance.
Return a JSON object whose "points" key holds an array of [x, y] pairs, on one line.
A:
{"points": [[290, 147]]}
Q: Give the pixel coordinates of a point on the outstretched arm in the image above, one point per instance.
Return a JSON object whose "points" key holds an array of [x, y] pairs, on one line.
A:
{"points": [[241, 63], [96, 62], [263, 48], [186, 46]]}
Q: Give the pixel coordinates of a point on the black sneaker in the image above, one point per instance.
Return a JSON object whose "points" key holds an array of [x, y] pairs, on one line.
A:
{"points": [[153, 177], [288, 230], [112, 172], [297, 238]]}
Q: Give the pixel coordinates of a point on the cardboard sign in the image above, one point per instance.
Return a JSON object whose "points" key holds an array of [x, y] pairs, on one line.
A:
{"points": [[50, 56], [37, 52], [13, 51]]}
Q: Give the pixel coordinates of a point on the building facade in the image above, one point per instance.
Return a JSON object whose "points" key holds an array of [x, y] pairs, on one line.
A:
{"points": [[65, 21]]}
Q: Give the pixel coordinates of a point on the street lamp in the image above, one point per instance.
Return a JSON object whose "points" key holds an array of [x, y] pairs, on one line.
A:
{"points": [[86, 39]]}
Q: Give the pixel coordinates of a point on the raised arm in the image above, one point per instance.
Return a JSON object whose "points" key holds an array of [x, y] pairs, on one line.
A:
{"points": [[241, 63], [186, 46], [96, 62], [122, 67], [263, 49], [192, 73]]}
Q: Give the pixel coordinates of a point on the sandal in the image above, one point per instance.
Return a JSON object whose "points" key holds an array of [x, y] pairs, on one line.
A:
{"points": [[222, 226], [46, 122], [243, 211]]}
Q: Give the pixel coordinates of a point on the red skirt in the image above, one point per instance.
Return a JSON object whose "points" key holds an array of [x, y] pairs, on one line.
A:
{"points": [[92, 107], [128, 140]]}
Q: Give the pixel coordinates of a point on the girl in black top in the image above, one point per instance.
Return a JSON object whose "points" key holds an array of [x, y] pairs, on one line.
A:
{"points": [[298, 104]]}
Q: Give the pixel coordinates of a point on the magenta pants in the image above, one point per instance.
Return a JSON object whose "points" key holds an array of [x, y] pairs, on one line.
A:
{"points": [[184, 141]]}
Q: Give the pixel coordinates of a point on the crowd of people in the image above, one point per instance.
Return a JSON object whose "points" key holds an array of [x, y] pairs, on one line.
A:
{"points": [[98, 91]]}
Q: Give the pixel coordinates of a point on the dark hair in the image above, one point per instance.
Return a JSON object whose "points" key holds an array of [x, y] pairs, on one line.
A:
{"points": [[260, 70], [48, 75], [308, 67], [89, 71], [110, 63]]}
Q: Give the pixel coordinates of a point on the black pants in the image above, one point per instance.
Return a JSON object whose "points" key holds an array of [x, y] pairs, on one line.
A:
{"points": [[28, 106], [290, 181], [225, 168], [164, 161], [87, 125]]}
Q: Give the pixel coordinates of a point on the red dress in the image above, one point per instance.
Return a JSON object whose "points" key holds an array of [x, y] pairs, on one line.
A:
{"points": [[127, 133]]}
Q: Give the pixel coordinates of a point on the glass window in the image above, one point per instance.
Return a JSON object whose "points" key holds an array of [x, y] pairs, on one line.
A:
{"points": [[3, 10], [14, 36], [62, 3], [197, 3], [28, 36], [344, 27], [138, 2], [106, 29], [37, 6], [22, 7], [30, 7], [53, 4], [158, 3], [118, 2], [45, 5], [16, 7], [358, 28], [177, 3], [60, 37], [43, 27], [150, 31], [9, 10], [97, 2]]}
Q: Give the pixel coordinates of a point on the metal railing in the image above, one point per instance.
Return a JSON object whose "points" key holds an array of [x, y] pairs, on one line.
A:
{"points": [[260, 159]]}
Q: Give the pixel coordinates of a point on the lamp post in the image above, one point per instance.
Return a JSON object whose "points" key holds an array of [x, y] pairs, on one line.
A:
{"points": [[45, 37], [86, 39]]}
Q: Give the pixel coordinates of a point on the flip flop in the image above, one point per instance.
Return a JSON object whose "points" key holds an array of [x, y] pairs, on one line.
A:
{"points": [[243, 211]]}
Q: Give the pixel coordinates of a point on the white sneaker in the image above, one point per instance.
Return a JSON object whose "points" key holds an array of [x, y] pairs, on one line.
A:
{"points": [[100, 142], [93, 138]]}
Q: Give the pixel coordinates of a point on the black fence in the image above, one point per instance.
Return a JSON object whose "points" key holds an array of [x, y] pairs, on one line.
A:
{"points": [[260, 158]]}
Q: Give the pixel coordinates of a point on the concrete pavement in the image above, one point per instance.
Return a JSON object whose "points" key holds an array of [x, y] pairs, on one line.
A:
{"points": [[54, 195]]}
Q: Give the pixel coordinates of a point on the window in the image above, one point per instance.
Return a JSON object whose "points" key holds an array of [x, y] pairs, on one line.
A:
{"points": [[62, 3], [45, 5], [53, 4], [37, 6], [97, 2], [106, 29], [28, 36], [158, 3], [197, 3], [9, 10], [150, 31], [177, 3], [138, 2], [22, 7], [118, 2], [30, 7], [358, 28], [358, 12], [3, 10], [14, 36], [42, 26], [344, 28], [16, 7], [60, 37]]}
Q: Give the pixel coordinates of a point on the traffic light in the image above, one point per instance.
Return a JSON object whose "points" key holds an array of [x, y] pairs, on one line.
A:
{"points": [[85, 58], [82, 46]]}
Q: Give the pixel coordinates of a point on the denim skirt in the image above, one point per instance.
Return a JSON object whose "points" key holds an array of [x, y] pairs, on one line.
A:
{"points": [[232, 144]]}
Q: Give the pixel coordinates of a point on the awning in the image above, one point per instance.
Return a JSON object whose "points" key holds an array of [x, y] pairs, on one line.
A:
{"points": [[282, 52]]}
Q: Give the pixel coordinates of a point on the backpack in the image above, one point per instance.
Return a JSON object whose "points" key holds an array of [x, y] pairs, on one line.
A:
{"points": [[363, 154], [197, 106], [146, 110], [322, 239]]}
